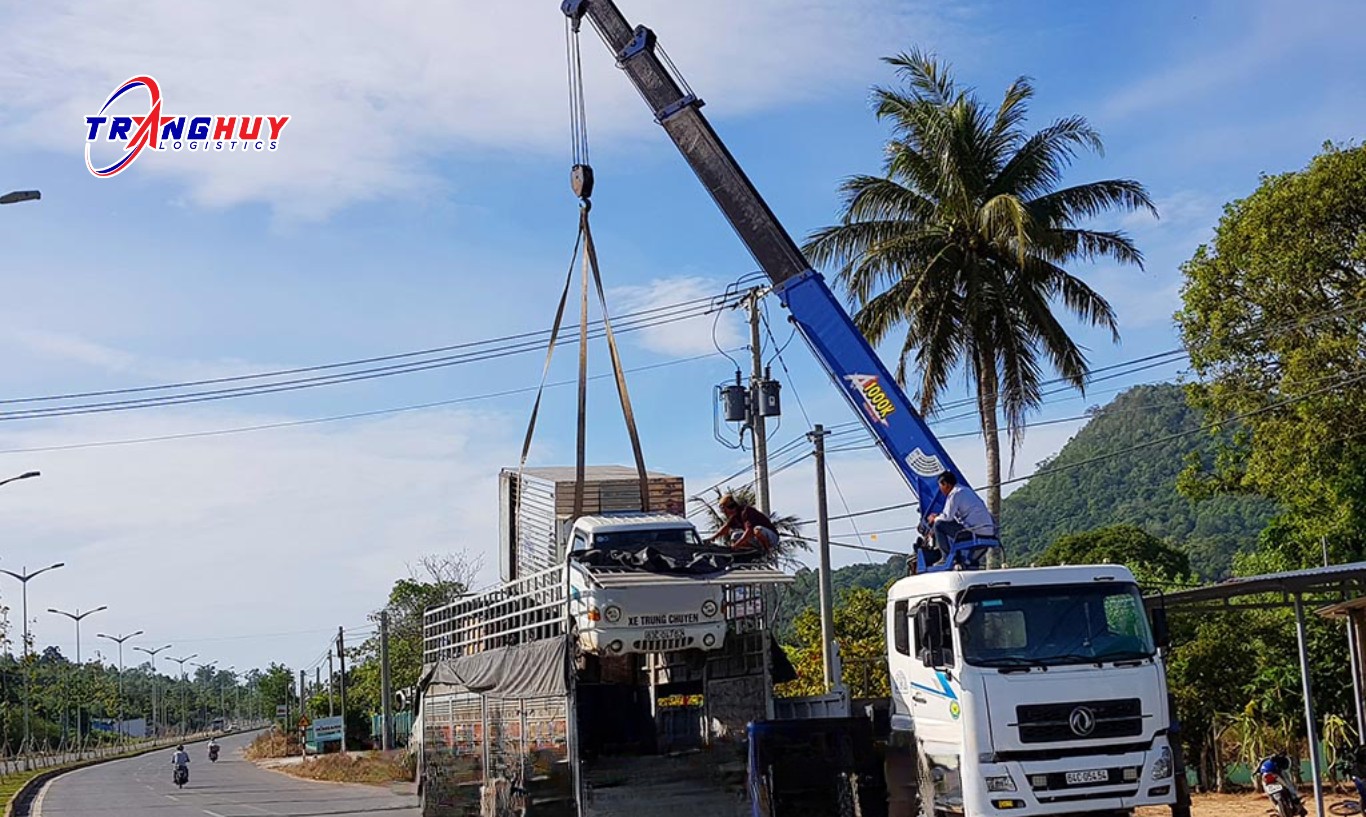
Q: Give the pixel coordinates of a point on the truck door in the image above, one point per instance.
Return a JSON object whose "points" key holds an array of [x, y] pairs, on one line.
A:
{"points": [[935, 706]]}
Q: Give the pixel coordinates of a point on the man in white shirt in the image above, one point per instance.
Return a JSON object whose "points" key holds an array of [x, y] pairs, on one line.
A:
{"points": [[963, 511], [181, 758]]}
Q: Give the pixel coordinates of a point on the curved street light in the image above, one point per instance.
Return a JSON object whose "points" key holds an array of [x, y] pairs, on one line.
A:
{"points": [[119, 640], [156, 682], [16, 196], [76, 617], [184, 698], [23, 578]]}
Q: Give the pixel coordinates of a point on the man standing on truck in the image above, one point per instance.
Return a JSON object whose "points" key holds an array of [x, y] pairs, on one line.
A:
{"points": [[756, 529], [963, 511]]}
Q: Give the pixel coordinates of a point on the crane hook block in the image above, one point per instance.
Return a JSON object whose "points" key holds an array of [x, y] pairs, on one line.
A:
{"points": [[573, 9], [581, 180]]}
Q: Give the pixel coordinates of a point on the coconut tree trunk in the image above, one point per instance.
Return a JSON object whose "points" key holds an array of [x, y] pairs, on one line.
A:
{"points": [[988, 399]]}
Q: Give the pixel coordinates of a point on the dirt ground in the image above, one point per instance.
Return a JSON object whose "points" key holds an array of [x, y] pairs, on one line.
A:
{"points": [[1237, 805]]}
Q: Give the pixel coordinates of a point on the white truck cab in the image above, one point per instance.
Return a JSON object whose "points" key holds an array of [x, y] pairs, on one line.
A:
{"points": [[1036, 691], [622, 606]]}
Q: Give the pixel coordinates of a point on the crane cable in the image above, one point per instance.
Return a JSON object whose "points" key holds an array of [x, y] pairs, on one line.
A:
{"points": [[581, 181]]}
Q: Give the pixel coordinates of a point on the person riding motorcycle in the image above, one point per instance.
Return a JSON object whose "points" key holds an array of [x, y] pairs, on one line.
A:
{"points": [[180, 761], [213, 749]]}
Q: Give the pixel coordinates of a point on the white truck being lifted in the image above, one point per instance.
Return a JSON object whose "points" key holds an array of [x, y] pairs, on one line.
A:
{"points": [[619, 607], [1037, 690]]}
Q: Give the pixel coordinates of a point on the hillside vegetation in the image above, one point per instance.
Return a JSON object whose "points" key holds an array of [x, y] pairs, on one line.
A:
{"points": [[1138, 489]]}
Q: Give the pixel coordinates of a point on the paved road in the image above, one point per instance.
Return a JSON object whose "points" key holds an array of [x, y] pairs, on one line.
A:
{"points": [[232, 787]]}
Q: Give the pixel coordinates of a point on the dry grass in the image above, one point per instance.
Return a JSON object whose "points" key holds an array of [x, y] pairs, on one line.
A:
{"points": [[273, 744], [1246, 804], [370, 768]]}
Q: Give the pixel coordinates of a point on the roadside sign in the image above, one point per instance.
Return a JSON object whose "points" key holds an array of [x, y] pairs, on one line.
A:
{"points": [[304, 722], [282, 711], [328, 729]]}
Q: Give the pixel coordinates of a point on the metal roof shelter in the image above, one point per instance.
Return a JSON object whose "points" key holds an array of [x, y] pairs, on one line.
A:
{"points": [[1341, 587]]}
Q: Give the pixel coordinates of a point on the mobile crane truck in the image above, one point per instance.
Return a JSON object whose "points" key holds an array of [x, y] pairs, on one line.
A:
{"points": [[1038, 691]]}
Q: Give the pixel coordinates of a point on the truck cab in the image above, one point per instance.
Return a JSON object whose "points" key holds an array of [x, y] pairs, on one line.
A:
{"points": [[1033, 690], [635, 585]]}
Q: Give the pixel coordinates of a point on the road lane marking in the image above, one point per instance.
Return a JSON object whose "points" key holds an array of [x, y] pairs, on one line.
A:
{"points": [[213, 813]]}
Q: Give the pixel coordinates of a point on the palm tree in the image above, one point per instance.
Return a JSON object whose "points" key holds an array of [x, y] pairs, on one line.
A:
{"points": [[789, 528], [964, 241]]}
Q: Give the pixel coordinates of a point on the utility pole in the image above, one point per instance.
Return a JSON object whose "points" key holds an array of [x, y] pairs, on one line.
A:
{"points": [[331, 682], [341, 656], [386, 705], [303, 713], [756, 414], [817, 436]]}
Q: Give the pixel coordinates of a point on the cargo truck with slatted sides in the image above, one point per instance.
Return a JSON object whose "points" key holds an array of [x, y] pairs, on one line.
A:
{"points": [[615, 669]]}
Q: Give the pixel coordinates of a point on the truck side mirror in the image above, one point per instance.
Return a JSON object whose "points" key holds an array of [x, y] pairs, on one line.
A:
{"points": [[1162, 634], [931, 636]]}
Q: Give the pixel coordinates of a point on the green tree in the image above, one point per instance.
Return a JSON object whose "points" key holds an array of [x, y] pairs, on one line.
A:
{"points": [[1273, 317], [432, 582], [860, 629], [965, 239], [1150, 559]]}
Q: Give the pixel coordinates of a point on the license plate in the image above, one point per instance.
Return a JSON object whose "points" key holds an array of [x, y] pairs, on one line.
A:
{"points": [[1092, 776], [663, 635], [1272, 788]]}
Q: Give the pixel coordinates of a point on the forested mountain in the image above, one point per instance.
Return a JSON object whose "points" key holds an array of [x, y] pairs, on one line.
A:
{"points": [[1137, 488]]}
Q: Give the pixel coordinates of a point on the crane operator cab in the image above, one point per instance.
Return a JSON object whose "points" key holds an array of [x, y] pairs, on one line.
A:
{"points": [[957, 531]]}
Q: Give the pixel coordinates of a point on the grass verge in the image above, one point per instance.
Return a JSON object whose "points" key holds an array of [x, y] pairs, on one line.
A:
{"points": [[369, 768]]}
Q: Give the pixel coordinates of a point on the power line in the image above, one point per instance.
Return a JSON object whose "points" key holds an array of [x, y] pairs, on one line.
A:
{"points": [[313, 382], [336, 417]]}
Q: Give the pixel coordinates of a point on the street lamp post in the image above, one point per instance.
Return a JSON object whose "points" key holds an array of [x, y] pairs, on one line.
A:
{"points": [[76, 617], [184, 698], [119, 640], [23, 578], [156, 682], [210, 667]]}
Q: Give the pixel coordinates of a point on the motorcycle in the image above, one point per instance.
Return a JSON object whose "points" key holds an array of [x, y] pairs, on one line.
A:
{"points": [[1277, 785], [213, 753], [182, 776]]}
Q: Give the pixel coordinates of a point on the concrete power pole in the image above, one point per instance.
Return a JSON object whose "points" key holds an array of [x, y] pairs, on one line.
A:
{"points": [[386, 727], [817, 436], [341, 657], [331, 683], [303, 712], [756, 415]]}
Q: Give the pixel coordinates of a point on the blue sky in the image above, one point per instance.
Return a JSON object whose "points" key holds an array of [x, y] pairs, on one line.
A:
{"points": [[420, 198]]}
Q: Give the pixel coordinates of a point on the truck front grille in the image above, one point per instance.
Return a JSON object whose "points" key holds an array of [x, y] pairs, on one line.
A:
{"points": [[662, 644], [1048, 723]]}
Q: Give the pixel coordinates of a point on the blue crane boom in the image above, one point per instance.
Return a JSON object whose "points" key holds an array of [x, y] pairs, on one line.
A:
{"points": [[848, 358]]}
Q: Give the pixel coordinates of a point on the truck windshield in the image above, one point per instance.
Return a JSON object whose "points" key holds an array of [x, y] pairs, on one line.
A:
{"points": [[646, 538], [1054, 625]]}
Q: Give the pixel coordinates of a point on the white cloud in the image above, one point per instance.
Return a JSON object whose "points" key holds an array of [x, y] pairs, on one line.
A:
{"points": [[681, 338], [377, 91], [276, 532]]}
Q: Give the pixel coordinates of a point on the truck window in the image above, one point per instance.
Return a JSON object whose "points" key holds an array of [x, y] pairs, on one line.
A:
{"points": [[580, 543], [937, 614], [901, 626], [1051, 625]]}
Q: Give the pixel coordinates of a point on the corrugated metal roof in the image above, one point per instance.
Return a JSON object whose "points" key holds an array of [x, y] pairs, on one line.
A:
{"points": [[1349, 579], [563, 473]]}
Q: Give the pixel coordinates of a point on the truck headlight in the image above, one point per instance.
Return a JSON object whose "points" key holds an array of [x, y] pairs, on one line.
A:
{"points": [[1162, 767], [612, 613], [709, 608], [1000, 783]]}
